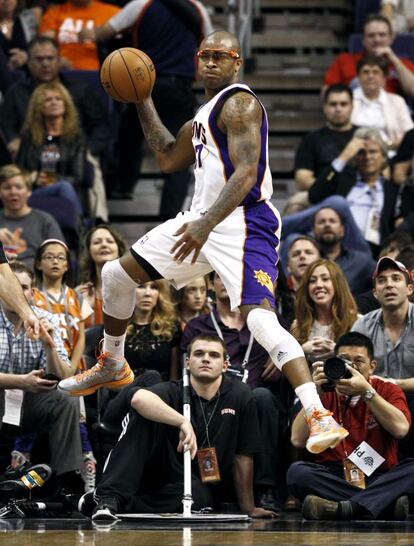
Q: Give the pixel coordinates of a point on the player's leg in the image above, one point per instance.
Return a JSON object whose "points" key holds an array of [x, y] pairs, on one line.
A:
{"points": [[287, 354], [119, 282], [243, 251], [148, 259]]}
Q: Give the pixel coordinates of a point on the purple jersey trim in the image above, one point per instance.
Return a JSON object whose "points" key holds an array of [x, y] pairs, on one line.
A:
{"points": [[260, 256], [220, 139]]}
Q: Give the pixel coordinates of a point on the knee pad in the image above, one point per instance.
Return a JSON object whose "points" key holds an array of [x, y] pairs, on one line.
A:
{"points": [[118, 291], [278, 342]]}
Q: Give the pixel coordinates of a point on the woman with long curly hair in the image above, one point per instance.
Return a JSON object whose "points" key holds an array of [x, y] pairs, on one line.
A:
{"points": [[324, 308], [153, 334], [101, 244], [53, 147]]}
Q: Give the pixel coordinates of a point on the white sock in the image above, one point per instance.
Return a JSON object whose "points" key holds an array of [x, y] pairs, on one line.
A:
{"points": [[308, 395], [114, 346]]}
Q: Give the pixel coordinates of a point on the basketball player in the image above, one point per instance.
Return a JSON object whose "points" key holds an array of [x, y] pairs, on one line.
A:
{"points": [[231, 227]]}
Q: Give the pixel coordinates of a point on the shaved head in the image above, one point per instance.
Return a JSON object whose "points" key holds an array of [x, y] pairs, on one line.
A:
{"points": [[221, 39]]}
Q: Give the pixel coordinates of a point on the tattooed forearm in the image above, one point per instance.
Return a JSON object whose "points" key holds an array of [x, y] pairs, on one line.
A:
{"points": [[236, 189], [172, 153], [157, 135]]}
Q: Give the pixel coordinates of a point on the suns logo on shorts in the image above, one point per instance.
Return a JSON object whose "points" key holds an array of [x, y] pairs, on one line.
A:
{"points": [[264, 279]]}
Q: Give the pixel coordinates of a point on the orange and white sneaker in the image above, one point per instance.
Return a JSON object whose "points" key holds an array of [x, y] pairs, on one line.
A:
{"points": [[105, 373], [324, 430]]}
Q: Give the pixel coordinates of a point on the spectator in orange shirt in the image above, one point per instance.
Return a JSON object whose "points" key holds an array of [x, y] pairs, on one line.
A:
{"points": [[63, 22]]}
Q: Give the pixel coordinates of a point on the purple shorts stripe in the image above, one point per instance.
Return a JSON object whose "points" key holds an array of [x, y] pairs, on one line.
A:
{"points": [[259, 255]]}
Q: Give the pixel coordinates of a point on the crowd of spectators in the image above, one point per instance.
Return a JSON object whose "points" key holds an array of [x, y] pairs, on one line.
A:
{"points": [[346, 278]]}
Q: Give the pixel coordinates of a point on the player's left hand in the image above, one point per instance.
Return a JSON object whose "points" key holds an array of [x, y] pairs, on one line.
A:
{"points": [[258, 512], [193, 236]]}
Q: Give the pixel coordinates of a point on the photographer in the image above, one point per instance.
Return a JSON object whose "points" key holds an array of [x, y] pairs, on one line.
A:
{"points": [[361, 477]]}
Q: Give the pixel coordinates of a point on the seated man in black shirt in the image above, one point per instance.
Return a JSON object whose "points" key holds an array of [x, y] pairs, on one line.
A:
{"points": [[319, 148], [144, 472], [250, 363]]}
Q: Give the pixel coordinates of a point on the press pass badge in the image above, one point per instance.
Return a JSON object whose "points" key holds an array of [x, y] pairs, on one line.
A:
{"points": [[208, 465], [353, 475], [13, 402], [372, 231], [366, 458]]}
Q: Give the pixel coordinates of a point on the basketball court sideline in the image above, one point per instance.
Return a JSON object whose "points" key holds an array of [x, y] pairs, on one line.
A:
{"points": [[290, 529]]}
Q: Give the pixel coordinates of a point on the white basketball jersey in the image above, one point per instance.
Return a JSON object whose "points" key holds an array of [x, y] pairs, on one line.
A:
{"points": [[213, 166]]}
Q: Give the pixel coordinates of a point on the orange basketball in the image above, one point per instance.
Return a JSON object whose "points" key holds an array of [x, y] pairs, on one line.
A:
{"points": [[128, 75]]}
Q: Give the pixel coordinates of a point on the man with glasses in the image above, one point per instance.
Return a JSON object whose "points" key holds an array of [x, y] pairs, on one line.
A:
{"points": [[22, 228], [232, 228], [43, 65]]}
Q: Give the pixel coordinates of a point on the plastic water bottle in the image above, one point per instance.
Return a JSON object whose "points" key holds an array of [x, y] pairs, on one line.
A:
{"points": [[50, 157]]}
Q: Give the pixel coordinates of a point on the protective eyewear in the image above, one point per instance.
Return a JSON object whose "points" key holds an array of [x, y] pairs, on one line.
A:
{"points": [[217, 54]]}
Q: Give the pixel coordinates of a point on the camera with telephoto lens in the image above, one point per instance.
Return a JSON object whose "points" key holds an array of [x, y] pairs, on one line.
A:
{"points": [[335, 369]]}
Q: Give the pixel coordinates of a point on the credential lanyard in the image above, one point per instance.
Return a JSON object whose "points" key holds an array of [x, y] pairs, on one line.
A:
{"points": [[246, 354], [341, 416]]}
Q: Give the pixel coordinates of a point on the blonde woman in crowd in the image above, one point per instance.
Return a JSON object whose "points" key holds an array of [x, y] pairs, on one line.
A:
{"points": [[53, 147], [153, 334]]}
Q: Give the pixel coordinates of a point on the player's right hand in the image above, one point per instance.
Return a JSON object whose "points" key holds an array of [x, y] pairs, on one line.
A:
{"points": [[193, 236]]}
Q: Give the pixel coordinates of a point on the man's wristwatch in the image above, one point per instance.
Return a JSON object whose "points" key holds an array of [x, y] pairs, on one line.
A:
{"points": [[369, 394]]}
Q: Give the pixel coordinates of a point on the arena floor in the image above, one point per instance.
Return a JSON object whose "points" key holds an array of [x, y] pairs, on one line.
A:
{"points": [[288, 530]]}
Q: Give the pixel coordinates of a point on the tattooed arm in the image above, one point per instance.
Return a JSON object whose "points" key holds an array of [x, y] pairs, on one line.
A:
{"points": [[241, 119], [172, 154]]}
